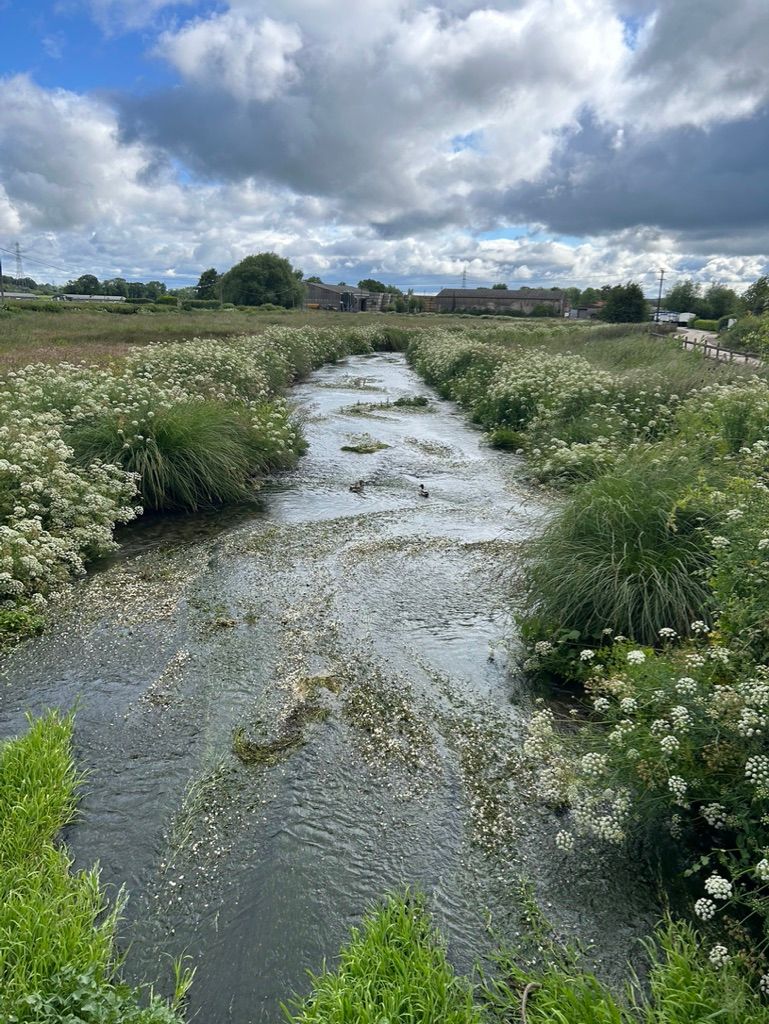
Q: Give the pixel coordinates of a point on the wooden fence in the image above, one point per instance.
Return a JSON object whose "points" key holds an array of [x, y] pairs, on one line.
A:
{"points": [[713, 350]]}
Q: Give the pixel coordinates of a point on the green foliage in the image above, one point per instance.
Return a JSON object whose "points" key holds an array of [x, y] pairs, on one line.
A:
{"points": [[57, 959], [705, 325], [207, 286], [681, 987], [625, 303], [193, 455], [394, 969], [260, 279], [755, 299], [627, 552], [18, 624]]}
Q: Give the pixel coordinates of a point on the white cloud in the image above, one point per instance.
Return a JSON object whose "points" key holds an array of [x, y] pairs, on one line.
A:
{"points": [[249, 59]]}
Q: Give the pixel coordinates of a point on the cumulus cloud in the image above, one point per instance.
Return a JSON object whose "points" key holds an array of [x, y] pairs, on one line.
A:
{"points": [[250, 60]]}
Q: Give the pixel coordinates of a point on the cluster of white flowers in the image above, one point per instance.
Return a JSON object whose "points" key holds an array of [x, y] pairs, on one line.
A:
{"points": [[594, 764], [757, 770], [705, 909], [677, 787], [719, 956], [715, 815], [718, 887], [636, 657], [762, 869], [564, 841]]}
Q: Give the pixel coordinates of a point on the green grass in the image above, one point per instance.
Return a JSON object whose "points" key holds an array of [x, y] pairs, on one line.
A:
{"points": [[626, 552], [393, 969], [196, 454], [57, 959], [682, 987]]}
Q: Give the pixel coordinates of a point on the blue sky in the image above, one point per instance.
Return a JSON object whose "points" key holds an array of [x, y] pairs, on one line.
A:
{"points": [[399, 139]]}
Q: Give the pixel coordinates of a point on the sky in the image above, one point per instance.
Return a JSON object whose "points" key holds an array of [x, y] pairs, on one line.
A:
{"points": [[535, 142]]}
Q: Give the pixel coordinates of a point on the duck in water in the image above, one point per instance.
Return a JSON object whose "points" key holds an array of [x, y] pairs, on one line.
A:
{"points": [[423, 493], [357, 487]]}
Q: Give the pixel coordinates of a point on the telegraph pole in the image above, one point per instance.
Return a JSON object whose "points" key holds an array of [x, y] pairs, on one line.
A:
{"points": [[2, 292], [19, 266], [659, 297]]}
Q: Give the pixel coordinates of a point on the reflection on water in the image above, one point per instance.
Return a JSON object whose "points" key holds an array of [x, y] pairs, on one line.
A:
{"points": [[387, 614]]}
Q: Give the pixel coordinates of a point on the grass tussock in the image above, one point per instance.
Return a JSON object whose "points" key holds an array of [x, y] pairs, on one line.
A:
{"points": [[626, 552], [57, 957], [393, 969], [195, 454]]}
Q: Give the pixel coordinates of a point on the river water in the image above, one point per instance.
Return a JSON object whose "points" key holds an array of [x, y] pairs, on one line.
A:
{"points": [[288, 710]]}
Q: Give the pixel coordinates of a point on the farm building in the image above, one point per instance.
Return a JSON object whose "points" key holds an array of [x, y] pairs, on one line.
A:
{"points": [[22, 295], [66, 297], [345, 297], [500, 300]]}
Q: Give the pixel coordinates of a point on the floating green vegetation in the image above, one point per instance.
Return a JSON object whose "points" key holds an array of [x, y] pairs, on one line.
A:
{"points": [[364, 444], [419, 402], [394, 968], [57, 956]]}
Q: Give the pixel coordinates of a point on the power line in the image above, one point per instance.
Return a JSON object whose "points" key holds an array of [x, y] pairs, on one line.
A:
{"points": [[17, 253]]}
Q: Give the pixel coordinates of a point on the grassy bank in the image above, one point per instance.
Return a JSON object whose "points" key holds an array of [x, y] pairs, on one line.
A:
{"points": [[57, 934], [394, 969], [648, 592]]}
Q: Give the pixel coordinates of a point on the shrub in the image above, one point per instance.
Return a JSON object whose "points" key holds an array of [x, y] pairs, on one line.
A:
{"points": [[705, 325]]}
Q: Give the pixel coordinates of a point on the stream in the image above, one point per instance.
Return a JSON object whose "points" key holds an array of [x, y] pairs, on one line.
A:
{"points": [[288, 710]]}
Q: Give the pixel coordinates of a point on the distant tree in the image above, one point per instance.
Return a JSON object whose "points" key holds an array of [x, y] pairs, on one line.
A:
{"points": [[590, 296], [116, 286], [263, 278], [756, 298], [87, 284], [502, 287], [720, 301], [314, 280], [207, 286], [368, 284], [625, 304], [684, 297], [573, 296]]}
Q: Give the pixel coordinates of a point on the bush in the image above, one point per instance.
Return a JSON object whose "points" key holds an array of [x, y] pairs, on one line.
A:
{"points": [[705, 325]]}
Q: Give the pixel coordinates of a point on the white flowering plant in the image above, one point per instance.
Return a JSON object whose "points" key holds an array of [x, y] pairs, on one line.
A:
{"points": [[661, 745]]}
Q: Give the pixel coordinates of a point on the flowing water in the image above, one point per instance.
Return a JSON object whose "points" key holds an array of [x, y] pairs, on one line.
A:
{"points": [[289, 710]]}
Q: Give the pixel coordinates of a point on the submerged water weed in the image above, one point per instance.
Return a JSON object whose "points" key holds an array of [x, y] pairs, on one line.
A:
{"points": [[394, 968], [57, 955]]}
